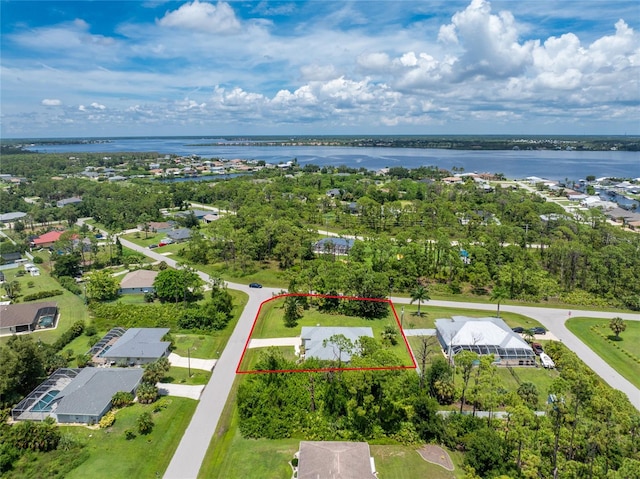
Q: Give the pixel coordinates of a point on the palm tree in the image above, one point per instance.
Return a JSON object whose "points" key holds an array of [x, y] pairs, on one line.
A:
{"points": [[499, 294], [419, 294]]}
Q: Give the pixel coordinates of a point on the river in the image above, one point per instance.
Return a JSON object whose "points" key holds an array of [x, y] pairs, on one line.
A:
{"points": [[515, 164]]}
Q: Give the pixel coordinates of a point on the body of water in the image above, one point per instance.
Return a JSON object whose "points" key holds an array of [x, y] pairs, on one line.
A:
{"points": [[549, 164]]}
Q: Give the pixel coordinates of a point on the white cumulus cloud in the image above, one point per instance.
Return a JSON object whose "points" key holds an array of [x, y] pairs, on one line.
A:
{"points": [[203, 17]]}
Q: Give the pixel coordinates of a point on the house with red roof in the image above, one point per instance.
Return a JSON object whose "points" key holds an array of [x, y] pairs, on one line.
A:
{"points": [[46, 240]]}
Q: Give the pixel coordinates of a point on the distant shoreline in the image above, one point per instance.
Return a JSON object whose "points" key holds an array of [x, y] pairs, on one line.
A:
{"points": [[444, 142]]}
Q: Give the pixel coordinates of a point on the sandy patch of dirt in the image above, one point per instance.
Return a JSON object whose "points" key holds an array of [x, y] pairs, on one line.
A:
{"points": [[436, 455]]}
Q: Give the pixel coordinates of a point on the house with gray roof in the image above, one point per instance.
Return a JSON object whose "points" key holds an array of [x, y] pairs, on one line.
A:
{"points": [[88, 397], [180, 234], [333, 246], [74, 395], [27, 317], [138, 346], [484, 336], [68, 201], [317, 344], [335, 460]]}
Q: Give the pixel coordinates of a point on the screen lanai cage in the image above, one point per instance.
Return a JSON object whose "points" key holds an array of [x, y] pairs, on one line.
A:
{"points": [[41, 402], [484, 336]]}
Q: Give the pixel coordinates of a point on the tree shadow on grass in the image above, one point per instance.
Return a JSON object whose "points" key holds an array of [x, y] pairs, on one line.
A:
{"points": [[613, 337]]}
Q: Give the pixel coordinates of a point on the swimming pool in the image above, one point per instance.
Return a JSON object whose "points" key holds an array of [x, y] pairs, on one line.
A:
{"points": [[46, 321], [44, 404], [106, 348]]}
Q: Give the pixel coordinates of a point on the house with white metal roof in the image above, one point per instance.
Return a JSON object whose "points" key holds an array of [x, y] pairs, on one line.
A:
{"points": [[484, 336]]}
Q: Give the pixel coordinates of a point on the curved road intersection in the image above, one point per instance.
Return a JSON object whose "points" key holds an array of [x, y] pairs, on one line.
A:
{"points": [[191, 451]]}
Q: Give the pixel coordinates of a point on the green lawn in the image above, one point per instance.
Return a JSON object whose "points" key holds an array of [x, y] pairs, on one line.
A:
{"points": [[622, 355], [430, 313], [72, 307], [404, 462], [181, 376], [111, 455], [252, 356], [270, 324], [230, 456]]}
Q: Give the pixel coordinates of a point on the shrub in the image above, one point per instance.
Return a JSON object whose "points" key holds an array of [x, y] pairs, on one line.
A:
{"points": [[69, 335], [121, 399], [37, 260], [129, 434], [90, 330], [68, 283], [41, 295], [107, 420], [145, 423]]}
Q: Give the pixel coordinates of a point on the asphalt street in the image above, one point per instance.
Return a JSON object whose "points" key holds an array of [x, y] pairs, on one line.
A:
{"points": [[191, 451]]}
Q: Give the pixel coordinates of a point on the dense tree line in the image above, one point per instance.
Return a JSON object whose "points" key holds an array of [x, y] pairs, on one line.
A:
{"points": [[588, 430], [409, 222]]}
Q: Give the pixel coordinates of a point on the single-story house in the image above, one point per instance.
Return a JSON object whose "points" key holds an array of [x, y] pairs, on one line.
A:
{"points": [[313, 340], [158, 226], [335, 460], [77, 395], [68, 201], [14, 215], [46, 240], [333, 246], [10, 257], [180, 234], [136, 282], [484, 336], [138, 346], [27, 317]]}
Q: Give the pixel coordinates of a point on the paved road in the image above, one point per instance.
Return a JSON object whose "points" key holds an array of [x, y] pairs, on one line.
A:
{"points": [[553, 319], [191, 451]]}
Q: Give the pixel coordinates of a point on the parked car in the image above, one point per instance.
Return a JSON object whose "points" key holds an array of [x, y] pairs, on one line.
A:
{"points": [[151, 246], [537, 348], [518, 329], [255, 285], [539, 330]]}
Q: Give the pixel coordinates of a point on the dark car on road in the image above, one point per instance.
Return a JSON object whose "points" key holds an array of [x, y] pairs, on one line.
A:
{"points": [[255, 285], [518, 329], [538, 330], [537, 348]]}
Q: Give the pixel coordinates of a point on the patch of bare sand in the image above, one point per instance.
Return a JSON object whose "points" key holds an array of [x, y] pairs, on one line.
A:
{"points": [[436, 455]]}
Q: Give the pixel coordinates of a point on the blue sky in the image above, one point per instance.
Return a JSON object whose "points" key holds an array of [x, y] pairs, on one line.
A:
{"points": [[138, 68]]}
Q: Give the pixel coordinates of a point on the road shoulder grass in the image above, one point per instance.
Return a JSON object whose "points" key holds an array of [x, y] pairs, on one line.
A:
{"points": [[620, 355]]}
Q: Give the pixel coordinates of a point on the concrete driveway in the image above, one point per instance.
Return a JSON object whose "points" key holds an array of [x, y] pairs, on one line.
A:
{"points": [[180, 390], [196, 363]]}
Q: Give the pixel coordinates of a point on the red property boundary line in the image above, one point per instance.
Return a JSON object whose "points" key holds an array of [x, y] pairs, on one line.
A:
{"points": [[329, 369]]}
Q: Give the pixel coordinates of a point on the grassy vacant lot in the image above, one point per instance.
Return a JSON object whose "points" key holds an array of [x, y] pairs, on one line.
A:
{"points": [[404, 462], [111, 455], [622, 355], [270, 324], [72, 307]]}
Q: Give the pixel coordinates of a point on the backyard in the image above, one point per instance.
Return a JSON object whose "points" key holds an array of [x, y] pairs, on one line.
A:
{"points": [[109, 453]]}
